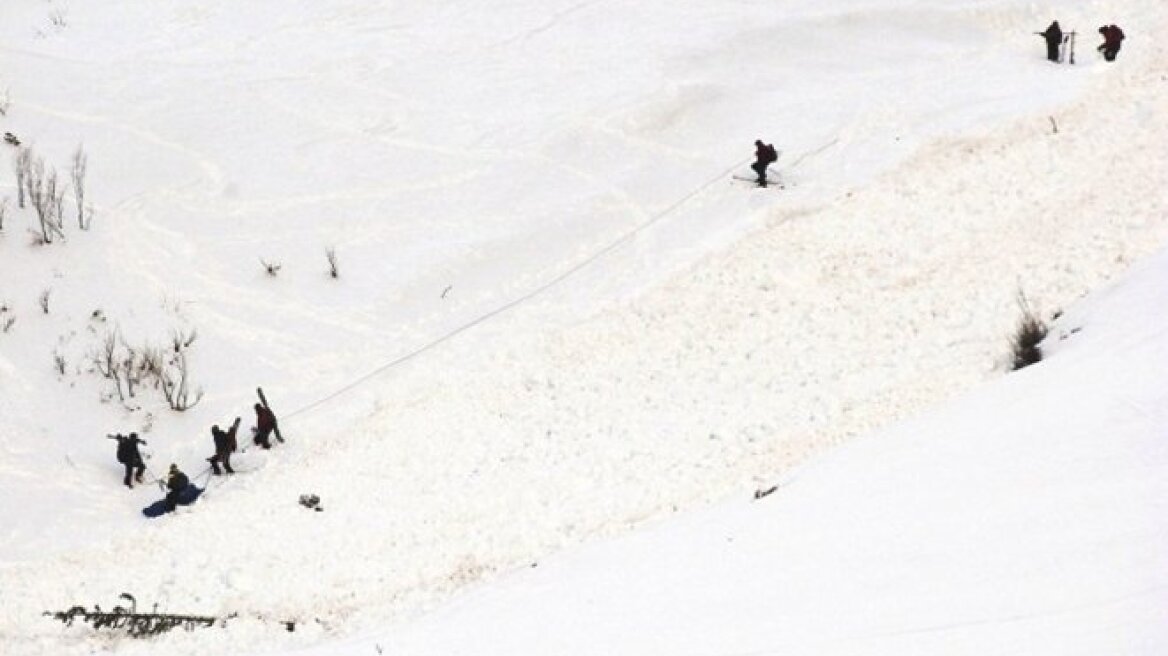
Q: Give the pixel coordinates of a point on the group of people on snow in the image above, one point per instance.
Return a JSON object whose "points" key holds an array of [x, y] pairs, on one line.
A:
{"points": [[1113, 36], [175, 481], [1054, 36]]}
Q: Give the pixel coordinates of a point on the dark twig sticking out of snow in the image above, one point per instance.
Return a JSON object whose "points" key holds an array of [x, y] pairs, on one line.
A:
{"points": [[137, 625]]}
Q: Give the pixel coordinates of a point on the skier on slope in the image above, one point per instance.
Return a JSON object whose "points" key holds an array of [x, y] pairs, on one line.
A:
{"points": [[265, 424], [1054, 39], [176, 483], [1112, 39], [764, 155], [225, 445], [130, 457]]}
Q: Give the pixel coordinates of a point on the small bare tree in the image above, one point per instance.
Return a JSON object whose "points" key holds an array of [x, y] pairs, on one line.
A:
{"points": [[43, 299], [77, 174], [59, 362], [3, 212], [330, 254], [150, 363], [5, 102], [271, 267], [45, 198], [57, 192], [108, 364], [181, 339], [22, 163], [175, 386]]}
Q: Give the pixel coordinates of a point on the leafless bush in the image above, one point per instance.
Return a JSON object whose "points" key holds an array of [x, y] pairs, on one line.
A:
{"points": [[77, 174], [22, 164], [57, 19], [45, 194], [3, 212], [271, 267], [1030, 332], [175, 387], [150, 362], [109, 362], [163, 368], [181, 339], [43, 299], [59, 363], [5, 102], [330, 254]]}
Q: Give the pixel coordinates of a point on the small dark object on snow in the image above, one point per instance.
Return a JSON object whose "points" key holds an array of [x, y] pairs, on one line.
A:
{"points": [[137, 625], [11, 139], [760, 493], [311, 501]]}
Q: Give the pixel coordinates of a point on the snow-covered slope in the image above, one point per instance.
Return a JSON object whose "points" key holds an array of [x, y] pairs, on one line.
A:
{"points": [[1027, 518], [557, 315]]}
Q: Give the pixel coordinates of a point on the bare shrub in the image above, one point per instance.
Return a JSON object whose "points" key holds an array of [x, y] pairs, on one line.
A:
{"points": [[22, 164], [109, 363], [164, 368], [3, 212], [59, 363], [46, 197], [150, 363], [1029, 334], [330, 254], [5, 102], [77, 175], [43, 299], [175, 386], [271, 267], [181, 339]]}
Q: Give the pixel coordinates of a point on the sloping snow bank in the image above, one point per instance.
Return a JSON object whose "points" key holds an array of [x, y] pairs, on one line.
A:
{"points": [[1028, 517]]}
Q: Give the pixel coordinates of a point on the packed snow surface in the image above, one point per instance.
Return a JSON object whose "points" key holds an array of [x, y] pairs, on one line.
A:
{"points": [[559, 316]]}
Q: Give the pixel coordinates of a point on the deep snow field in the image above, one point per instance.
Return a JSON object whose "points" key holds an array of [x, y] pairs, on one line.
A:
{"points": [[560, 321]]}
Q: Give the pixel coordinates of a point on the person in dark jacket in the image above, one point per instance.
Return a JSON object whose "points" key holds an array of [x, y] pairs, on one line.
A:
{"points": [[176, 482], [265, 424], [764, 156], [1054, 40], [1112, 39], [130, 457], [225, 445]]}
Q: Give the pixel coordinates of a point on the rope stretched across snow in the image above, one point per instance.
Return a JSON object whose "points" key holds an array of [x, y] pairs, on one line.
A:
{"points": [[547, 285]]}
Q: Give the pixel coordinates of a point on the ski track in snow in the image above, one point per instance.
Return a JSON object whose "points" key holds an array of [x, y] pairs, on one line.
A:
{"points": [[600, 424]]}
